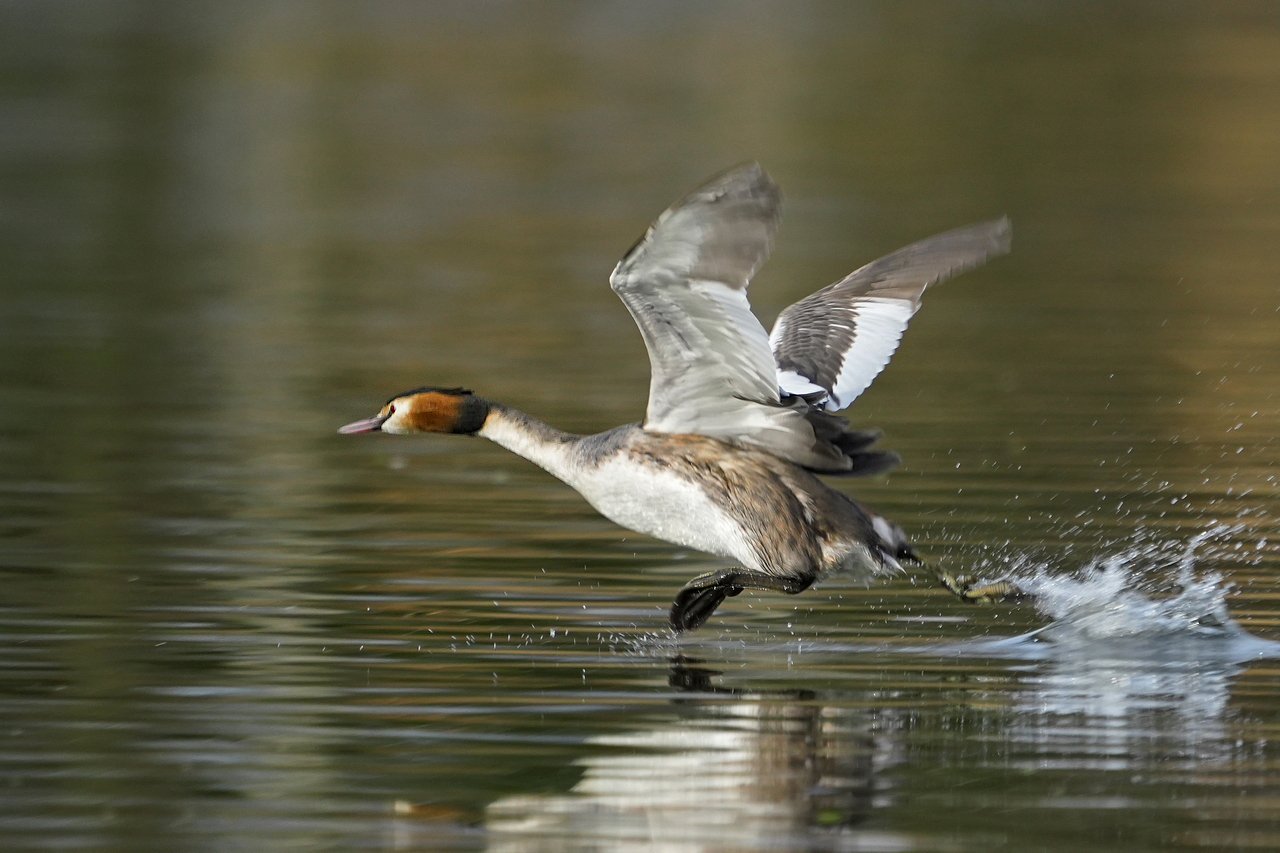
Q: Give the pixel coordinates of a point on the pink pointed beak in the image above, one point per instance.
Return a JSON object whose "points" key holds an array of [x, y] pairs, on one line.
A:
{"points": [[373, 424]]}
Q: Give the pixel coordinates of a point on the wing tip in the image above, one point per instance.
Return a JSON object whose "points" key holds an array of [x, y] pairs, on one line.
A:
{"points": [[1000, 235], [746, 186], [746, 180]]}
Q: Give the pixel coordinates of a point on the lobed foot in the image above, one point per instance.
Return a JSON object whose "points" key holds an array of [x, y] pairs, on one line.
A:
{"points": [[967, 588], [698, 599]]}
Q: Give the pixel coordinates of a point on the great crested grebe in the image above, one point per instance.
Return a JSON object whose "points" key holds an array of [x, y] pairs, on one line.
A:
{"points": [[739, 422]]}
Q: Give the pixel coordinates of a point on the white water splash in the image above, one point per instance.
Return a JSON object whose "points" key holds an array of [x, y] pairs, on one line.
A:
{"points": [[1147, 591], [1134, 637]]}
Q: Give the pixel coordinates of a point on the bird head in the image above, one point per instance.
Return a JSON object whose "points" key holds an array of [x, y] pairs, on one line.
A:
{"points": [[427, 409]]}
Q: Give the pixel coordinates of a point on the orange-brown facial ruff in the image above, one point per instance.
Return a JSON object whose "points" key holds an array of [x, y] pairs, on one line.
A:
{"points": [[454, 410]]}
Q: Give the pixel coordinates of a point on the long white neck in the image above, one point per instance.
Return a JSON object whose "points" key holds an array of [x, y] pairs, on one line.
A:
{"points": [[543, 445]]}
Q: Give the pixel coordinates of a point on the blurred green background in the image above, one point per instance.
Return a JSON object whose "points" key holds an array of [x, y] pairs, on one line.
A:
{"points": [[228, 228]]}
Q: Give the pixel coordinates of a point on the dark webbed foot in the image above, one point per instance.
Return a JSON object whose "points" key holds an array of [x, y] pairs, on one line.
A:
{"points": [[695, 604], [699, 598]]}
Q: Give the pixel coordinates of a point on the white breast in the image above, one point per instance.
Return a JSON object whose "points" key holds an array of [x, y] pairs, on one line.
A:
{"points": [[645, 498], [664, 505]]}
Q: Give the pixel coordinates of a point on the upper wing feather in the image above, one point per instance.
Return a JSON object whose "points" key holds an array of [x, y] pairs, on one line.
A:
{"points": [[837, 340], [685, 283]]}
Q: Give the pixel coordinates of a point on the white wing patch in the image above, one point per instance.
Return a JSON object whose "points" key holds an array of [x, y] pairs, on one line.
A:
{"points": [[880, 324], [874, 326], [793, 383]]}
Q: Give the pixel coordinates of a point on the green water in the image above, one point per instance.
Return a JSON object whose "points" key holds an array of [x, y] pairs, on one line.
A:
{"points": [[227, 229]]}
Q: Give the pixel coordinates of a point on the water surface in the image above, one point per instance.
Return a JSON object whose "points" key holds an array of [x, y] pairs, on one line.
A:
{"points": [[227, 230]]}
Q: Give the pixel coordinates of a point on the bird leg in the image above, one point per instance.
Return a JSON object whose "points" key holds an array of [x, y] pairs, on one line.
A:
{"points": [[699, 598]]}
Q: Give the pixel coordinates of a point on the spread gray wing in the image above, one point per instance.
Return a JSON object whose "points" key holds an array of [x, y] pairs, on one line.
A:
{"points": [[830, 345], [715, 372], [685, 283]]}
